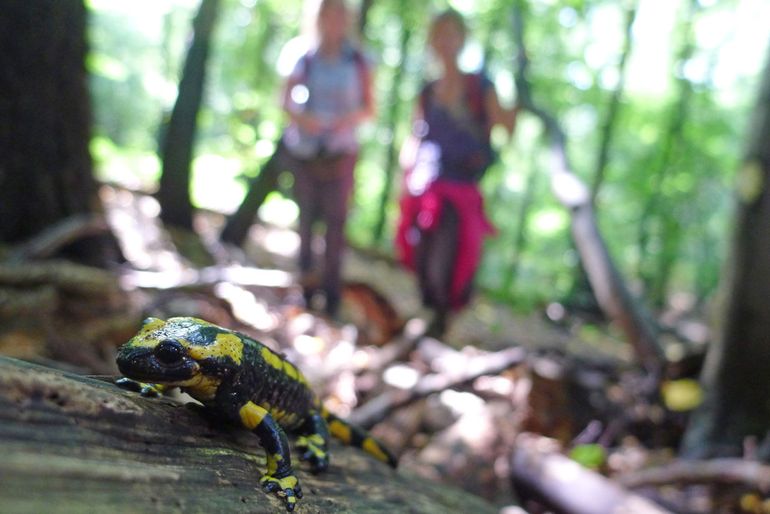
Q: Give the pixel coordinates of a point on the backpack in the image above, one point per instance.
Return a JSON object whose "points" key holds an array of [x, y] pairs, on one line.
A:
{"points": [[322, 164], [474, 95], [466, 151], [358, 58]]}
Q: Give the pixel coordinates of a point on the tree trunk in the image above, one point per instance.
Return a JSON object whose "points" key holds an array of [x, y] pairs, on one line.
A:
{"points": [[394, 113], [238, 224], [735, 375], [179, 135], [580, 295], [520, 235], [74, 444], [46, 174], [363, 16], [611, 116]]}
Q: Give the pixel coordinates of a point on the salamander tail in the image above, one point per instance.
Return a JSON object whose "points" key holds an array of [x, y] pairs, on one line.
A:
{"points": [[357, 437]]}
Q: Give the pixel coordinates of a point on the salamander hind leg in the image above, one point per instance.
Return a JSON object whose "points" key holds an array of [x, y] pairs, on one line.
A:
{"points": [[313, 442], [280, 477]]}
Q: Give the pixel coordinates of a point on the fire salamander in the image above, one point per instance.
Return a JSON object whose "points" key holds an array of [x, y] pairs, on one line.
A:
{"points": [[241, 380]]}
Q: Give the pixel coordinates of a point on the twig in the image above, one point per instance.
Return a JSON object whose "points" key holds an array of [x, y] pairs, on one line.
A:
{"points": [[379, 407]]}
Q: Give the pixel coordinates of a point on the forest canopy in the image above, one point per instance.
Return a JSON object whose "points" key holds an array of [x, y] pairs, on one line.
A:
{"points": [[663, 186]]}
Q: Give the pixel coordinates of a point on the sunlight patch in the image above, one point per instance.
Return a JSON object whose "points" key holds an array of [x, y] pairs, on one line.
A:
{"points": [[400, 376], [279, 210], [549, 221], [214, 183]]}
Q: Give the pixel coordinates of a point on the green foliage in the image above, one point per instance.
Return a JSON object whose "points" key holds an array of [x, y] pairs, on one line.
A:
{"points": [[575, 47], [592, 456]]}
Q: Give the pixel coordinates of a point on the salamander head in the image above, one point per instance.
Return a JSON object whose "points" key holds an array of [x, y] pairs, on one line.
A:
{"points": [[185, 352]]}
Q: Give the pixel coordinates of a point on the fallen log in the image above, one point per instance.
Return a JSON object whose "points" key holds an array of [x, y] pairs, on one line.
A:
{"points": [[76, 444], [715, 471], [539, 471]]}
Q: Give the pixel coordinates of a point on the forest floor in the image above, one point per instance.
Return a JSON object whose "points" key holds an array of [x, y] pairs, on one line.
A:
{"points": [[461, 410]]}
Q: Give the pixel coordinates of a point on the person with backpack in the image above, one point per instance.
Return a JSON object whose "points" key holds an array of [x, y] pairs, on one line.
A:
{"points": [[327, 96], [442, 224]]}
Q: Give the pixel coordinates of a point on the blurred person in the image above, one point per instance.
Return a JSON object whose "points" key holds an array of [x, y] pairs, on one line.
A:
{"points": [[328, 94], [442, 223]]}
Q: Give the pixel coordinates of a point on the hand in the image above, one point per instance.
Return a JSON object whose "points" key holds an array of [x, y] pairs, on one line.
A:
{"points": [[309, 123], [346, 121]]}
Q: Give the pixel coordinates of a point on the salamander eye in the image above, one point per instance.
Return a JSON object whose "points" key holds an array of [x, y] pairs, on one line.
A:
{"points": [[169, 352]]}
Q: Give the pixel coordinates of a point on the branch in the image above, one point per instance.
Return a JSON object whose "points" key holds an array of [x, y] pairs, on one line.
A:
{"points": [[723, 471], [54, 238], [539, 471], [238, 224], [378, 408]]}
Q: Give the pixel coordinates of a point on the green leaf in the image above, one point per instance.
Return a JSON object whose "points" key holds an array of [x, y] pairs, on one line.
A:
{"points": [[591, 456]]}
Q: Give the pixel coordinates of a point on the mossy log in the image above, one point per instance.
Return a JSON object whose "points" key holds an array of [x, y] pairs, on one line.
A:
{"points": [[76, 444]]}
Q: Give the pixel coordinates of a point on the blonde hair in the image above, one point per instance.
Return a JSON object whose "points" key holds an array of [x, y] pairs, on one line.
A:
{"points": [[326, 4], [448, 16], [312, 12]]}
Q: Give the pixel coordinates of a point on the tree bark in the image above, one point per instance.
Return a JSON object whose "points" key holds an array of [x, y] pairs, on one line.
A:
{"points": [[238, 224], [46, 172], [609, 287], [613, 107], [179, 135], [520, 235], [71, 443], [735, 375], [394, 113]]}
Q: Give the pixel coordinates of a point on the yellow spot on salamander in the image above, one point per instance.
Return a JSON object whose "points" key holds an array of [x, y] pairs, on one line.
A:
{"points": [[201, 387], [283, 417], [252, 415], [371, 447], [271, 358], [316, 439], [340, 430], [294, 373], [146, 336], [272, 462], [225, 345], [150, 325], [290, 370]]}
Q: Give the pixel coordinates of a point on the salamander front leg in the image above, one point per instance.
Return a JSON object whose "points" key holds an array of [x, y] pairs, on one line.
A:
{"points": [[145, 389], [279, 478]]}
